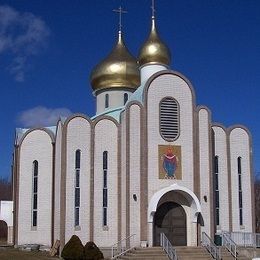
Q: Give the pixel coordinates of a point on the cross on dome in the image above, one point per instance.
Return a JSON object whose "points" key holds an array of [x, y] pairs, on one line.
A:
{"points": [[120, 11], [153, 9]]}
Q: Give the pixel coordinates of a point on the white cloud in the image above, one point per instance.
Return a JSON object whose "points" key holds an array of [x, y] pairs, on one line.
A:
{"points": [[22, 35], [41, 116]]}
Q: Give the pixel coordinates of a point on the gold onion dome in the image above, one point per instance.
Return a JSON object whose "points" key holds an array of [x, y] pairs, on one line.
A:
{"points": [[154, 51], [118, 70]]}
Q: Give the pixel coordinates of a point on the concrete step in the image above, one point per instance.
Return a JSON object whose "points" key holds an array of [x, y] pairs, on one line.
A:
{"points": [[148, 253], [226, 255], [183, 253], [189, 253]]}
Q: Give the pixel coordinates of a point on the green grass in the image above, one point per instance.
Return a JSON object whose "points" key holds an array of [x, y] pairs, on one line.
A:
{"points": [[8, 253]]}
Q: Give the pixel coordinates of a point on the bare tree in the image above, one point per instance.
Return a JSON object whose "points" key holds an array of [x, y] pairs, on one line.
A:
{"points": [[5, 189]]}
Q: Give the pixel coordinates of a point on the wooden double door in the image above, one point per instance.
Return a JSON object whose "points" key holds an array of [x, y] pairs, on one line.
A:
{"points": [[170, 219]]}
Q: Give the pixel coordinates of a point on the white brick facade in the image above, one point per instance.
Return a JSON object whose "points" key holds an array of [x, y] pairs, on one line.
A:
{"points": [[135, 190], [240, 147], [106, 139], [205, 168], [78, 138], [221, 150], [37, 145]]}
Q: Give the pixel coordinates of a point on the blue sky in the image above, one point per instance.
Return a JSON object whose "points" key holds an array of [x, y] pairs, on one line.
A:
{"points": [[48, 48]]}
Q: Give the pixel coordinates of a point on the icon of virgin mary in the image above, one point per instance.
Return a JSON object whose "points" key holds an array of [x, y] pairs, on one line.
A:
{"points": [[170, 164]]}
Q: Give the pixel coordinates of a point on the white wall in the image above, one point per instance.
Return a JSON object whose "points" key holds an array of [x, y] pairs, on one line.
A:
{"points": [[221, 152], [37, 145], [78, 138], [173, 86], [135, 170], [240, 147], [116, 99], [205, 170], [169, 85], [57, 182], [123, 175], [6, 212], [106, 139]]}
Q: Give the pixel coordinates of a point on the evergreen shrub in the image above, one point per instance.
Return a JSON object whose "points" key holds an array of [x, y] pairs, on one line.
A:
{"points": [[92, 252], [73, 250]]}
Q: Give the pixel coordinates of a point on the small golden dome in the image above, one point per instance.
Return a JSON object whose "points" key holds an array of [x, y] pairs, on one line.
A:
{"points": [[154, 50], [118, 70]]}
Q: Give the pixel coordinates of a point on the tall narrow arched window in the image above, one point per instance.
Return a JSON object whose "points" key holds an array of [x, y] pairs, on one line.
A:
{"points": [[105, 204], [77, 186], [106, 101], [240, 196], [216, 183], [35, 193], [125, 98], [169, 119]]}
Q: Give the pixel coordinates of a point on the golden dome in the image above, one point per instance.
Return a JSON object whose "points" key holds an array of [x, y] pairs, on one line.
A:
{"points": [[154, 50], [118, 70]]}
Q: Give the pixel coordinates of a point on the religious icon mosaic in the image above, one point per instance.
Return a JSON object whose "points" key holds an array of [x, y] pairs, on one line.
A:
{"points": [[170, 162]]}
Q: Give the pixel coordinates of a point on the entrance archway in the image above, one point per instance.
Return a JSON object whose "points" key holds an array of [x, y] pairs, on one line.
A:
{"points": [[3, 232], [170, 219]]}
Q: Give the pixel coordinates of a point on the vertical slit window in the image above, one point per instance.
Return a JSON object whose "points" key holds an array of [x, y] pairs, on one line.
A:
{"points": [[169, 119], [125, 98], [240, 196], [106, 101], [35, 193], [216, 174], [105, 204], [77, 186]]}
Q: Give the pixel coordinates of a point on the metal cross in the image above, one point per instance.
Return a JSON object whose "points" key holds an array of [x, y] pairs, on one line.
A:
{"points": [[120, 11], [153, 8]]}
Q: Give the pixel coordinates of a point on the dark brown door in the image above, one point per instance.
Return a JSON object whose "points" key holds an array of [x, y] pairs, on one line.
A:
{"points": [[170, 219], [3, 232]]}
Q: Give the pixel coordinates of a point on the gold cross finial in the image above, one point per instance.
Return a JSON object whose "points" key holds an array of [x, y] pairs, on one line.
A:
{"points": [[153, 9], [120, 11]]}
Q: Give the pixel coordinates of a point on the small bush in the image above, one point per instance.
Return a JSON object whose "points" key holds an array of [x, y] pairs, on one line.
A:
{"points": [[92, 252], [73, 250]]}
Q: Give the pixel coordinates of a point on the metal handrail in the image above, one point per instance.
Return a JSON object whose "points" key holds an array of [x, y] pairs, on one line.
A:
{"points": [[245, 239], [122, 246], [167, 247], [210, 246], [229, 244]]}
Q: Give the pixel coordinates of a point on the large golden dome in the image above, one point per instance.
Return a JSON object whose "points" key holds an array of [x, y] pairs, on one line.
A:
{"points": [[118, 70], [154, 50]]}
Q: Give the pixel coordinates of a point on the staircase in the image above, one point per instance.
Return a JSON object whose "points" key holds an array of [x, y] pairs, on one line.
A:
{"points": [[225, 254], [192, 253], [148, 253], [183, 253]]}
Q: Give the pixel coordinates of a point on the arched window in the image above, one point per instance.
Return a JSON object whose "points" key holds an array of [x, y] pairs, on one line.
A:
{"points": [[216, 173], [240, 197], [106, 101], [125, 98], [105, 157], [35, 193], [169, 119], [77, 186]]}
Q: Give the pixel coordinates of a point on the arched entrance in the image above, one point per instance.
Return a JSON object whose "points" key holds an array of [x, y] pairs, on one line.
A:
{"points": [[3, 232], [170, 219]]}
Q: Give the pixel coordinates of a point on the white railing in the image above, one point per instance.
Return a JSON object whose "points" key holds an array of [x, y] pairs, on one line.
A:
{"points": [[210, 246], [123, 246], [229, 244], [167, 247], [245, 239]]}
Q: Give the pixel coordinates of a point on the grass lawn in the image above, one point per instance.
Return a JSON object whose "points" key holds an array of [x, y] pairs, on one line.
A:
{"points": [[9, 253]]}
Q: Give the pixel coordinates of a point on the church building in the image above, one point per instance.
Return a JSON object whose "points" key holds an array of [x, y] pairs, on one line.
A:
{"points": [[150, 161]]}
